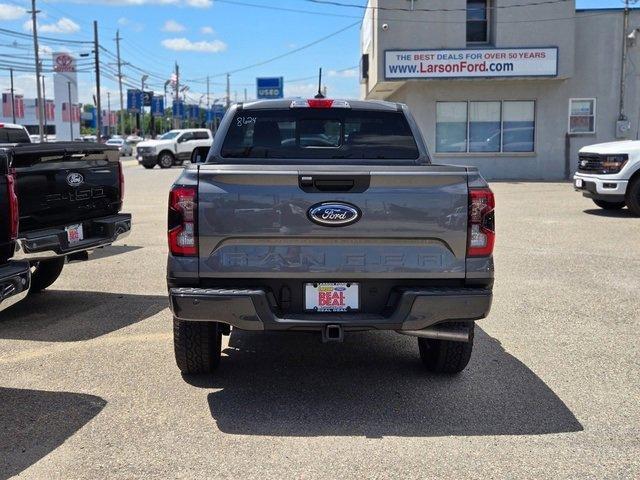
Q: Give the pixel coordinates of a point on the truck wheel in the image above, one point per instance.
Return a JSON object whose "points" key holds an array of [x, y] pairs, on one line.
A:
{"points": [[442, 356], [609, 205], [148, 167], [45, 273], [633, 197], [197, 346], [165, 160]]}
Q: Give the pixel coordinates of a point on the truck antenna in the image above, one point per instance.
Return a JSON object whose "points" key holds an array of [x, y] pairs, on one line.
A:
{"points": [[319, 94]]}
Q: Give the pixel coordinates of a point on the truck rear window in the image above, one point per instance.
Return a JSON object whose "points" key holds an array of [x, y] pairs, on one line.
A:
{"points": [[320, 134], [14, 135]]}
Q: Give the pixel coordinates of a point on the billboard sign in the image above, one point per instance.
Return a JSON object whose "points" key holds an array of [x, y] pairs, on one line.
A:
{"points": [[63, 62], [134, 100], [471, 63], [178, 109], [157, 106], [270, 88], [147, 98]]}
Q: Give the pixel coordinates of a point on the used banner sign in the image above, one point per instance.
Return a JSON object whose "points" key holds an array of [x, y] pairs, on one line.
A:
{"points": [[474, 63]]}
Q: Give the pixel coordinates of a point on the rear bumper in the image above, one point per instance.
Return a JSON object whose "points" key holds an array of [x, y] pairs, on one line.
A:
{"points": [[52, 242], [15, 281], [250, 310]]}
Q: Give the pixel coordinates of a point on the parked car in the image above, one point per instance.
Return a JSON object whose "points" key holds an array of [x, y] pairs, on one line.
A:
{"points": [[15, 276], [609, 174], [173, 148], [134, 139], [125, 149], [70, 196], [272, 232]]}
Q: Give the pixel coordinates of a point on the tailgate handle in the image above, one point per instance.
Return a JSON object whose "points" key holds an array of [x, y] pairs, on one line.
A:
{"points": [[334, 185]]}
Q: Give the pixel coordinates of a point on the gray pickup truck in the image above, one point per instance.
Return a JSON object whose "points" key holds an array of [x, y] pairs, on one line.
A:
{"points": [[328, 216]]}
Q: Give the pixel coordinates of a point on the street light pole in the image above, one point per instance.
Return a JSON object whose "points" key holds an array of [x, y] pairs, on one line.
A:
{"points": [[13, 98], [144, 79]]}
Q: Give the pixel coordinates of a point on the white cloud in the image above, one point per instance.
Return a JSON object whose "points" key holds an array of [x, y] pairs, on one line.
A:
{"points": [[199, 3], [207, 31], [173, 27], [11, 12], [128, 23], [349, 73], [186, 45], [64, 25]]}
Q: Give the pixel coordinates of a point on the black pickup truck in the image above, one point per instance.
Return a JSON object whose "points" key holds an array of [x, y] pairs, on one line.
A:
{"points": [[70, 196], [15, 276]]}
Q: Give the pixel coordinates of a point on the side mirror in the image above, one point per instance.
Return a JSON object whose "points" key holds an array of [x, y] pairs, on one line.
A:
{"points": [[200, 154]]}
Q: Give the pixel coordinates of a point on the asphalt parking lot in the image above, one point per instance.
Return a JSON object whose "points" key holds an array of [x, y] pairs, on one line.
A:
{"points": [[89, 388]]}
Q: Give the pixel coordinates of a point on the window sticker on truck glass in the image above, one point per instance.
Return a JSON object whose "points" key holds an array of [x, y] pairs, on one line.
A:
{"points": [[320, 134]]}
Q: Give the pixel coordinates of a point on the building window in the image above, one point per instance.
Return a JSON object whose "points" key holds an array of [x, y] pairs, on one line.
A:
{"points": [[451, 127], [477, 21], [485, 126], [582, 115]]}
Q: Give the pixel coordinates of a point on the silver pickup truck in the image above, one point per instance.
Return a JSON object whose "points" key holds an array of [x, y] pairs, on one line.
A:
{"points": [[328, 216]]}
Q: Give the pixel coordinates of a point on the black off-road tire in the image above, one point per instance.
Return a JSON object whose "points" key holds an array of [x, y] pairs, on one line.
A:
{"points": [[45, 273], [165, 160], [609, 205], [443, 356], [633, 196], [197, 346]]}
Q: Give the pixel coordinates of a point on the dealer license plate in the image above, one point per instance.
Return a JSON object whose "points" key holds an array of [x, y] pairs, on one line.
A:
{"points": [[579, 183], [332, 297], [74, 234]]}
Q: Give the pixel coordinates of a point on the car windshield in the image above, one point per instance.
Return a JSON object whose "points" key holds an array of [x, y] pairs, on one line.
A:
{"points": [[169, 135], [320, 134]]}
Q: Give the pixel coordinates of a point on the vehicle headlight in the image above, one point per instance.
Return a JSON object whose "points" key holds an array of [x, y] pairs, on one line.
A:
{"points": [[614, 163]]}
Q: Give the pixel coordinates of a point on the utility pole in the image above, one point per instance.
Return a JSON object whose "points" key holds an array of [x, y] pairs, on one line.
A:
{"points": [[228, 91], [44, 101], [13, 98], [109, 113], [36, 49], [118, 38], [96, 46], [176, 120], [144, 79]]}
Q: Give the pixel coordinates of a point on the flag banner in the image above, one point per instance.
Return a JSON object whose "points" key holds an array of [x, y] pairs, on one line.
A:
{"points": [[76, 113], [66, 112], [6, 105], [50, 110], [19, 105]]}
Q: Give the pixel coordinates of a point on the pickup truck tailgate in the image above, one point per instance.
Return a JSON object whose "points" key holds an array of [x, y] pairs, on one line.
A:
{"points": [[253, 222], [61, 183]]}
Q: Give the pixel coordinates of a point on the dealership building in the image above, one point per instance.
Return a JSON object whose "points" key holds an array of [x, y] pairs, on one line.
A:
{"points": [[514, 87]]}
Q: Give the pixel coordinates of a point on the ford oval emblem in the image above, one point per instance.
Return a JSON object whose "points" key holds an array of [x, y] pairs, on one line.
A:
{"points": [[75, 179], [334, 214]]}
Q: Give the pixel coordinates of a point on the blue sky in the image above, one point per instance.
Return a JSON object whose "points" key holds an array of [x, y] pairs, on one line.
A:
{"points": [[206, 37]]}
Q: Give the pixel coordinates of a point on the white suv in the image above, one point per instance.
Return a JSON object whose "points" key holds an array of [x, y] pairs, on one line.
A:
{"points": [[609, 174], [172, 148]]}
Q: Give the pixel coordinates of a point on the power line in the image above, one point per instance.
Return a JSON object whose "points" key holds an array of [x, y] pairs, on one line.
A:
{"points": [[291, 52]]}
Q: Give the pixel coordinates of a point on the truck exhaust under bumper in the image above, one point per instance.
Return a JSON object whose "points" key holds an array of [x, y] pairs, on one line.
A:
{"points": [[440, 333]]}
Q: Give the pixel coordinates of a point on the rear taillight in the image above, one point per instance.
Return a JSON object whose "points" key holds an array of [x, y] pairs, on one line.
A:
{"points": [[14, 216], [121, 178], [183, 233], [482, 234]]}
